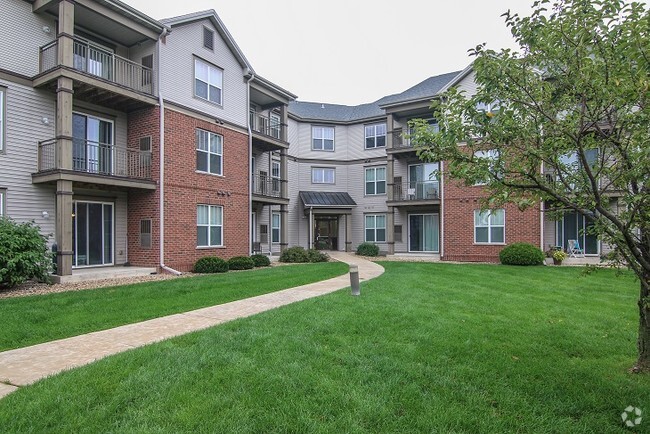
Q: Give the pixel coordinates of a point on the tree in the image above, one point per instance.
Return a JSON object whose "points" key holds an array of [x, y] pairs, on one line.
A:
{"points": [[565, 120]]}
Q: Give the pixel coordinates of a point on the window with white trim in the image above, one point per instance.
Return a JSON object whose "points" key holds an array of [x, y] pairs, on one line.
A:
{"points": [[209, 225], [209, 152], [489, 226], [3, 198], [375, 180], [323, 175], [208, 81], [275, 227], [375, 228], [375, 136], [492, 158], [2, 119], [276, 179], [322, 138]]}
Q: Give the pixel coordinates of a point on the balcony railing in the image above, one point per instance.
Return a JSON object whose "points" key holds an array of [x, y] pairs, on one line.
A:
{"points": [[99, 62], [264, 185], [416, 190], [400, 141], [266, 125], [98, 158]]}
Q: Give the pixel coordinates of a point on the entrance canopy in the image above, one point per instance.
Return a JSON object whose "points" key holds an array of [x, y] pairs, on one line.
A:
{"points": [[331, 202]]}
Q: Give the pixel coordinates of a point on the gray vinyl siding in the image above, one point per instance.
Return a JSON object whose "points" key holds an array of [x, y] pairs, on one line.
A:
{"points": [[137, 52], [19, 53], [401, 218], [182, 46], [467, 84], [25, 110]]}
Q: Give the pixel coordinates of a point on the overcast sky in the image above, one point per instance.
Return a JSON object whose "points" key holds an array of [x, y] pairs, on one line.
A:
{"points": [[353, 51]]}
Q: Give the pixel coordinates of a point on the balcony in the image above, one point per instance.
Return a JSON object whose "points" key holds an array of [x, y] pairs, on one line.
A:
{"points": [[268, 132], [416, 193], [267, 189], [96, 163], [99, 75]]}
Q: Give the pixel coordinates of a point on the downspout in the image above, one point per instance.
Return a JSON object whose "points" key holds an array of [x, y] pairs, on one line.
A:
{"points": [[311, 228], [441, 186], [250, 161], [161, 204], [541, 217]]}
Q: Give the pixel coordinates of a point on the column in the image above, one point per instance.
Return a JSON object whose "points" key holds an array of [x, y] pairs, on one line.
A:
{"points": [[390, 230], [348, 233], [284, 227]]}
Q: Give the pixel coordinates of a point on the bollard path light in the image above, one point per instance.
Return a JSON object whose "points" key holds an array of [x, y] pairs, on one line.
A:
{"points": [[354, 279]]}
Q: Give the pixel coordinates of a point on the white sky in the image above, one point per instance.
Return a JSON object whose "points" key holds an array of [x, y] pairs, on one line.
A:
{"points": [[353, 51]]}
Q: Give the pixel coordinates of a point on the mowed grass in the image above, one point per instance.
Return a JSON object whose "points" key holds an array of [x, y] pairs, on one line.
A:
{"points": [[31, 320], [426, 348]]}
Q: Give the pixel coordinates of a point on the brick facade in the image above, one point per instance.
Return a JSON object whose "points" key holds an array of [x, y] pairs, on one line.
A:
{"points": [[185, 188], [460, 201]]}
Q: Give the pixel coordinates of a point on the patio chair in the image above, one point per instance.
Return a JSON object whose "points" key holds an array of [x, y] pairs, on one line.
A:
{"points": [[575, 250]]}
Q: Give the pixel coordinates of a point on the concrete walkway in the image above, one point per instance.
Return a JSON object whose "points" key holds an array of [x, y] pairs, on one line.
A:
{"points": [[27, 365]]}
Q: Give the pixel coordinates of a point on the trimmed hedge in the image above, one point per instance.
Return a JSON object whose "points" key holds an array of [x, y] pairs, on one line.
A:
{"points": [[521, 254], [261, 260], [210, 264], [317, 256], [368, 249], [294, 255], [241, 263]]}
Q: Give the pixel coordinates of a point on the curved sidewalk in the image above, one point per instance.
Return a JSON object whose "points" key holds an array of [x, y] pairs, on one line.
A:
{"points": [[24, 366]]}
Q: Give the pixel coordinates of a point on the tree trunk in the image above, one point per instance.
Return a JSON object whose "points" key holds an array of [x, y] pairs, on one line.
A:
{"points": [[643, 364]]}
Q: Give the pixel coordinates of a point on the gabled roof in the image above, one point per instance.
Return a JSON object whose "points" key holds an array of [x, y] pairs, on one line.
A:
{"points": [[426, 89], [326, 199], [218, 24]]}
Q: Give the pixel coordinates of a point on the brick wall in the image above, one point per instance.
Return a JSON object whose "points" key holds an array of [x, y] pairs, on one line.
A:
{"points": [[460, 203], [185, 189]]}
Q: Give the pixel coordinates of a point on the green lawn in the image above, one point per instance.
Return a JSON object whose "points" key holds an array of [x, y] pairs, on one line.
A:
{"points": [[426, 348], [31, 320]]}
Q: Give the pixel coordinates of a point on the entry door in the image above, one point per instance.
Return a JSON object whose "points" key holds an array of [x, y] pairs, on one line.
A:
{"points": [[93, 233], [424, 233], [92, 144], [326, 233]]}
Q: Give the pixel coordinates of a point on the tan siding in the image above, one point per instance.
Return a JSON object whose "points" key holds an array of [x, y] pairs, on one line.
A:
{"points": [[177, 73]]}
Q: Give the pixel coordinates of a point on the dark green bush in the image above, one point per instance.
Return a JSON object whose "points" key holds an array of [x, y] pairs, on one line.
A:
{"points": [[368, 249], [261, 260], [317, 256], [241, 263], [294, 254], [23, 253], [521, 254], [210, 264]]}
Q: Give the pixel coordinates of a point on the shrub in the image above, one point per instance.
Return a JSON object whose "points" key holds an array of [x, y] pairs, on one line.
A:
{"points": [[294, 254], [241, 263], [23, 253], [261, 260], [210, 264], [368, 249], [521, 254], [317, 256]]}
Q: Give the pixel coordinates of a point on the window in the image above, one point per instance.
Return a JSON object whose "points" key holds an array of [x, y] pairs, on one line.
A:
{"points": [[208, 81], [209, 152], [322, 138], [209, 226], [489, 226], [145, 233], [275, 176], [2, 119], [322, 175], [275, 227], [492, 158], [3, 204], [376, 228], [375, 180], [375, 136], [208, 38]]}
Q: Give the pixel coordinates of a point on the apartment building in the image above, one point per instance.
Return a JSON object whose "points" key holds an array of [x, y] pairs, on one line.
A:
{"points": [[129, 140]]}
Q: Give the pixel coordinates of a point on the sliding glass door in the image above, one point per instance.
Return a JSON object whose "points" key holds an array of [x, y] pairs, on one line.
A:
{"points": [[572, 227], [423, 181], [424, 233], [92, 234], [92, 144]]}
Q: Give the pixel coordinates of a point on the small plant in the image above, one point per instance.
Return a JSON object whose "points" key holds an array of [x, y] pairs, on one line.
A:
{"points": [[210, 264], [294, 255], [317, 256], [261, 260], [23, 253], [521, 254], [559, 256], [368, 249], [240, 263]]}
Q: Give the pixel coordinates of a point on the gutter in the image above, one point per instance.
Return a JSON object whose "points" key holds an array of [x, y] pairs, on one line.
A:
{"points": [[161, 198], [250, 161]]}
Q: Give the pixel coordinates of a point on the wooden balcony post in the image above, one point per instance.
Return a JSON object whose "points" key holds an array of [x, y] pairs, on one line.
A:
{"points": [[64, 227], [390, 230], [66, 31]]}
